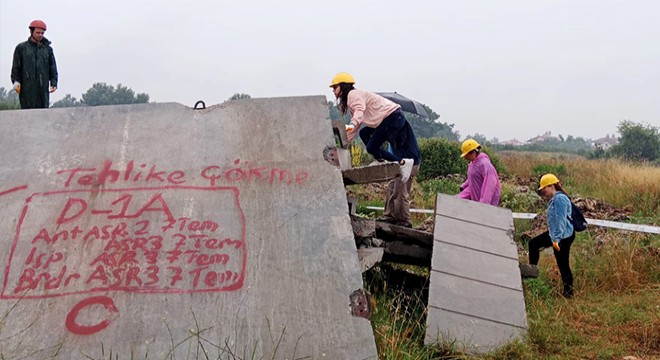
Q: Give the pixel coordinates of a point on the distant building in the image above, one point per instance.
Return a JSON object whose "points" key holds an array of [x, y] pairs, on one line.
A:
{"points": [[606, 142], [541, 138], [512, 142]]}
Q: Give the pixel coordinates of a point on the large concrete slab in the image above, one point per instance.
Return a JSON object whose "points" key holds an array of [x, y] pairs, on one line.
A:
{"points": [[177, 233], [476, 295]]}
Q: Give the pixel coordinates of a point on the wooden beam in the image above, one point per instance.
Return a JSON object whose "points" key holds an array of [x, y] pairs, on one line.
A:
{"points": [[371, 174]]}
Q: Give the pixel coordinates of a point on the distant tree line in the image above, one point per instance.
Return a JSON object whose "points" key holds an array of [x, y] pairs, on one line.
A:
{"points": [[98, 94], [638, 142], [570, 144], [104, 94]]}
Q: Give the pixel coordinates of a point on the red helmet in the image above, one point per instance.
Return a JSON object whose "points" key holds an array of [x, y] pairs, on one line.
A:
{"points": [[38, 24]]}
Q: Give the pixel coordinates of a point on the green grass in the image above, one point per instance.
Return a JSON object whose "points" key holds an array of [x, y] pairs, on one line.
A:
{"points": [[427, 191]]}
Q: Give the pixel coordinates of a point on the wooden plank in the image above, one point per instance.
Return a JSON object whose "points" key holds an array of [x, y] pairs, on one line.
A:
{"points": [[386, 232], [405, 253]]}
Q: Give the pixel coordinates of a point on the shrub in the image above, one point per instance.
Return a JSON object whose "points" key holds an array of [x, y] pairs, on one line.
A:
{"points": [[357, 154], [442, 157]]}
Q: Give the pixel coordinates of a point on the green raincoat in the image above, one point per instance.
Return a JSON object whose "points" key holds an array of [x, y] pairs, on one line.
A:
{"points": [[35, 68]]}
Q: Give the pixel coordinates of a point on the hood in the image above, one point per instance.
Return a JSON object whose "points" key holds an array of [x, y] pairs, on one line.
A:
{"points": [[482, 157]]}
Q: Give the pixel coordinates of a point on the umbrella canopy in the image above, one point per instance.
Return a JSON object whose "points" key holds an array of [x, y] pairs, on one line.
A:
{"points": [[407, 105]]}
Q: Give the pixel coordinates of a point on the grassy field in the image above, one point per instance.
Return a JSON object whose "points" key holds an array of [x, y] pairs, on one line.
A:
{"points": [[616, 310], [618, 183]]}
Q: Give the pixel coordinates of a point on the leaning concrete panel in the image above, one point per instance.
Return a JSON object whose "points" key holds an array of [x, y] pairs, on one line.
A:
{"points": [[488, 269], [478, 299], [472, 211], [482, 238], [475, 296], [177, 233]]}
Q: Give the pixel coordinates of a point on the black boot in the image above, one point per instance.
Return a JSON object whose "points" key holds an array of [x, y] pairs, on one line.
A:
{"points": [[529, 271]]}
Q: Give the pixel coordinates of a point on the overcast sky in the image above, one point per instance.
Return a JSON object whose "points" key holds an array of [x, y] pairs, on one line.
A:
{"points": [[505, 69]]}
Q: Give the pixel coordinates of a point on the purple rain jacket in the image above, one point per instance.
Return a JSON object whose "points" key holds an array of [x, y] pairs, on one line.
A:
{"points": [[482, 184]]}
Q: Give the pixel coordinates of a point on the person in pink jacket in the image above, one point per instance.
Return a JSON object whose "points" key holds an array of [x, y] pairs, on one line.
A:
{"points": [[482, 184], [378, 120]]}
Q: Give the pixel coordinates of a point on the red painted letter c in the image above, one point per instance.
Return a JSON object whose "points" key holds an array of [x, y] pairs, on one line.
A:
{"points": [[73, 326]]}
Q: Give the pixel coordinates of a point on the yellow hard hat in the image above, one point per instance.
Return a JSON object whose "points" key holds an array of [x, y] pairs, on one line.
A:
{"points": [[548, 179], [468, 145], [342, 77]]}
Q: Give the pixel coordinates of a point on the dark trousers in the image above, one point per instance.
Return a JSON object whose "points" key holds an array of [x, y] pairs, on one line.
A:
{"points": [[543, 241], [374, 138]]}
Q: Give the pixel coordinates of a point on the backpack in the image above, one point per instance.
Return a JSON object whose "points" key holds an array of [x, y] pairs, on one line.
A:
{"points": [[577, 218]]}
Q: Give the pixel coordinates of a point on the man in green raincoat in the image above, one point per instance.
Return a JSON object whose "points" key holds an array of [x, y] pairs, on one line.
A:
{"points": [[34, 71]]}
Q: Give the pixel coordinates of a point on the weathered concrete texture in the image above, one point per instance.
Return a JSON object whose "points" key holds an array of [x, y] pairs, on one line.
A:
{"points": [[476, 294], [163, 230], [372, 173], [338, 157], [369, 257], [363, 227]]}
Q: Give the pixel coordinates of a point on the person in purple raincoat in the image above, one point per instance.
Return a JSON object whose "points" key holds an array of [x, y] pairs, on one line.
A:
{"points": [[482, 184]]}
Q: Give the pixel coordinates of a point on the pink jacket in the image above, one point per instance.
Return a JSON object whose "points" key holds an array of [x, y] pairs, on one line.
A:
{"points": [[368, 108], [482, 184]]}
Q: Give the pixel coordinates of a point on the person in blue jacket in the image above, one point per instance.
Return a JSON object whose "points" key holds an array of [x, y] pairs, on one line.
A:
{"points": [[560, 234]]}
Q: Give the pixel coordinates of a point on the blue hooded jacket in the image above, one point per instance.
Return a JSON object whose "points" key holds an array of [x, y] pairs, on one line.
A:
{"points": [[559, 212]]}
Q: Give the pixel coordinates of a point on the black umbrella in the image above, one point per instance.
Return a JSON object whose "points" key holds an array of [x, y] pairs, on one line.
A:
{"points": [[407, 105]]}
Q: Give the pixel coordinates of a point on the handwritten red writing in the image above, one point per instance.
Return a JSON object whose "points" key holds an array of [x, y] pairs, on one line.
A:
{"points": [[72, 318], [128, 240], [18, 188], [133, 173]]}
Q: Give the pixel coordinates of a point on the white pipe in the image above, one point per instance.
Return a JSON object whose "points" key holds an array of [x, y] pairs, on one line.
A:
{"points": [[604, 223]]}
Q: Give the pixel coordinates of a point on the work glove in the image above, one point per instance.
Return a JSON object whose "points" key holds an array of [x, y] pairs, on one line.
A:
{"points": [[555, 245], [17, 87], [52, 89], [350, 132]]}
